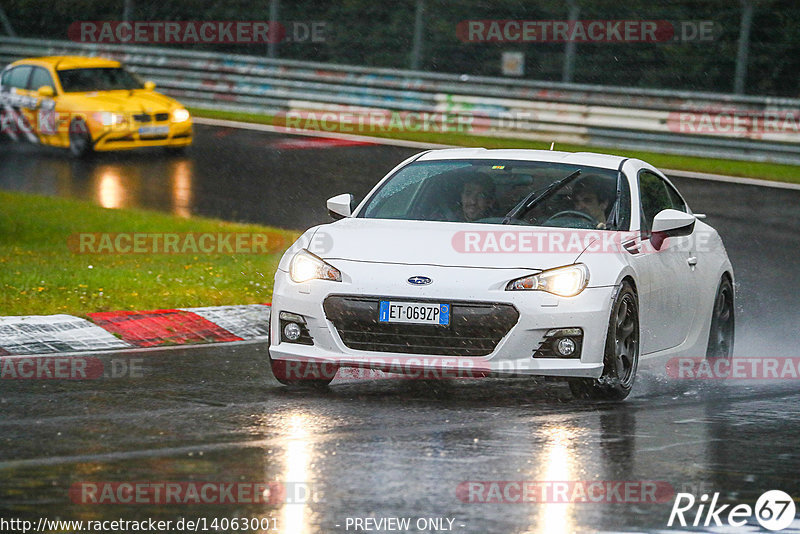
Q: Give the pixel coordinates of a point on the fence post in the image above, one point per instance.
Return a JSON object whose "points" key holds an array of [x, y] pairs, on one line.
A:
{"points": [[416, 49], [569, 49], [127, 10], [6, 24], [272, 46], [744, 47]]}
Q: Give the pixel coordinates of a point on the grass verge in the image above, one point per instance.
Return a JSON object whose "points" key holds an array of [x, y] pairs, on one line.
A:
{"points": [[40, 274], [748, 169]]}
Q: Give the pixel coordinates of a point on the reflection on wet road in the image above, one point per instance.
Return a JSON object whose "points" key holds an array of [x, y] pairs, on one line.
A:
{"points": [[384, 447]]}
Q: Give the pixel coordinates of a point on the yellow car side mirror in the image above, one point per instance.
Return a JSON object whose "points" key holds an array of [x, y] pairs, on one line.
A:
{"points": [[45, 91], [149, 86]]}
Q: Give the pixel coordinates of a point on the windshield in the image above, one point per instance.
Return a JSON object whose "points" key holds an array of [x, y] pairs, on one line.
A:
{"points": [[98, 79], [487, 191]]}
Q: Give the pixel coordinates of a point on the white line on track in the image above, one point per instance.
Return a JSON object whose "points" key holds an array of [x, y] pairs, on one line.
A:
{"points": [[417, 144]]}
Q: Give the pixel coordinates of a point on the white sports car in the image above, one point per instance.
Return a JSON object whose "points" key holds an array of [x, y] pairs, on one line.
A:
{"points": [[475, 262]]}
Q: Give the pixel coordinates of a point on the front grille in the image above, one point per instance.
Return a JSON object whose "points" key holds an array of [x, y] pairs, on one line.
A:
{"points": [[120, 139], [475, 328], [161, 117], [142, 117]]}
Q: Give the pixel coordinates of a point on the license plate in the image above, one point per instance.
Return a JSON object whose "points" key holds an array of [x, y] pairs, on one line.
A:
{"points": [[414, 312], [150, 131]]}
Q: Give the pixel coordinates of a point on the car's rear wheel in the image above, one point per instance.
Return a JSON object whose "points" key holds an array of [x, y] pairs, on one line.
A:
{"points": [[303, 374], [80, 140], [621, 357], [721, 333]]}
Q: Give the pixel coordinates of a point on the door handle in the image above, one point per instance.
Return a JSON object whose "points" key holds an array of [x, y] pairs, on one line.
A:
{"points": [[692, 261]]}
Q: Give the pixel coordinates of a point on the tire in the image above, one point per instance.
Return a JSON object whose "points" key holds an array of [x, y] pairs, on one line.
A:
{"points": [[80, 140], [621, 357], [722, 330], [303, 374]]}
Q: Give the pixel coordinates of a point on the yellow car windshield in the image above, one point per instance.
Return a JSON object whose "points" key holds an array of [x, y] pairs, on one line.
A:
{"points": [[97, 79]]}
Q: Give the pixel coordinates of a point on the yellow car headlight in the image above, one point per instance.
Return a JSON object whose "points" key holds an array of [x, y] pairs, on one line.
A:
{"points": [[180, 115], [565, 281], [306, 266]]}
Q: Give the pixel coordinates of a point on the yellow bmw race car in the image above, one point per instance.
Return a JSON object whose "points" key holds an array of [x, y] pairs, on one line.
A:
{"points": [[87, 104]]}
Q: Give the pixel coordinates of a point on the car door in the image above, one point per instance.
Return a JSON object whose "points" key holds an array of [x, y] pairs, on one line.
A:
{"points": [[669, 307], [18, 105], [43, 119]]}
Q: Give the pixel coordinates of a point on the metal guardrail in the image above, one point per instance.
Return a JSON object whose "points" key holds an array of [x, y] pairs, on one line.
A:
{"points": [[767, 128]]}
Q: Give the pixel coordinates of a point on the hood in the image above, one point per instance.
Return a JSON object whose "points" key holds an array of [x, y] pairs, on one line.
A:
{"points": [[450, 244], [136, 101]]}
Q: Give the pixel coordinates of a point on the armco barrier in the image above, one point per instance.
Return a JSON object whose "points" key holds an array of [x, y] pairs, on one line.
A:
{"points": [[618, 117]]}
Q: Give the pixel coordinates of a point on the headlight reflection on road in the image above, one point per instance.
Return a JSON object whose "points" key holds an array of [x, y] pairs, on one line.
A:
{"points": [[110, 192], [295, 473], [558, 465], [182, 189]]}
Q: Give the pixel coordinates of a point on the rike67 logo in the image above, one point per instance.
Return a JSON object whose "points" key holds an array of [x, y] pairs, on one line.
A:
{"points": [[774, 510]]}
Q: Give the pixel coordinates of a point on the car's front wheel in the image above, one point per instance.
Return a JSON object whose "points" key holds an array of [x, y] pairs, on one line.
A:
{"points": [[720, 335], [621, 357], [80, 140]]}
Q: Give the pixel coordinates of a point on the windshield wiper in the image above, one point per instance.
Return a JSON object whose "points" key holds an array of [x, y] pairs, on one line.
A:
{"points": [[537, 196]]}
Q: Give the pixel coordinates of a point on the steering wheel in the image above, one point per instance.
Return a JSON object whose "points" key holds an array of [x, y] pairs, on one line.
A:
{"points": [[571, 213]]}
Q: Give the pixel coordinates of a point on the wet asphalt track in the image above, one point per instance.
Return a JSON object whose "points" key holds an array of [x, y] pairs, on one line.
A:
{"points": [[395, 448]]}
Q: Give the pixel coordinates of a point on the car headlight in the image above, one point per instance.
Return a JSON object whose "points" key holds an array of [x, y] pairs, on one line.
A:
{"points": [[306, 266], [107, 118], [564, 281], [180, 115]]}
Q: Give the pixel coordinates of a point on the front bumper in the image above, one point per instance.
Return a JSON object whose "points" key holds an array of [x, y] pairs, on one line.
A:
{"points": [[178, 135], [512, 355]]}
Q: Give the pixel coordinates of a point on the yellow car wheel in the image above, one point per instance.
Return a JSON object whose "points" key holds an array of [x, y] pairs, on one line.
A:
{"points": [[80, 141]]}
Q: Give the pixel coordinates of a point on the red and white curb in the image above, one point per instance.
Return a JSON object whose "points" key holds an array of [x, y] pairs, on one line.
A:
{"points": [[47, 334]]}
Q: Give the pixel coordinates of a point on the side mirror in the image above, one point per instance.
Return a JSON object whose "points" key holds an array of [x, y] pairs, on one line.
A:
{"points": [[45, 91], [149, 86], [670, 223], [340, 206]]}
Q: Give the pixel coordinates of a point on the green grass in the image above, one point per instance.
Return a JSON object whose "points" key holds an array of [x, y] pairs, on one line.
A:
{"points": [[764, 171], [41, 274]]}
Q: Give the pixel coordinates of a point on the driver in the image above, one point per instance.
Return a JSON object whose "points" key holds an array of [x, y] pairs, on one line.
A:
{"points": [[594, 198], [477, 198]]}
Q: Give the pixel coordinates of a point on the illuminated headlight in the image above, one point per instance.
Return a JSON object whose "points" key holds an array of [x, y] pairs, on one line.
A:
{"points": [[564, 281], [180, 115], [305, 266], [107, 118]]}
